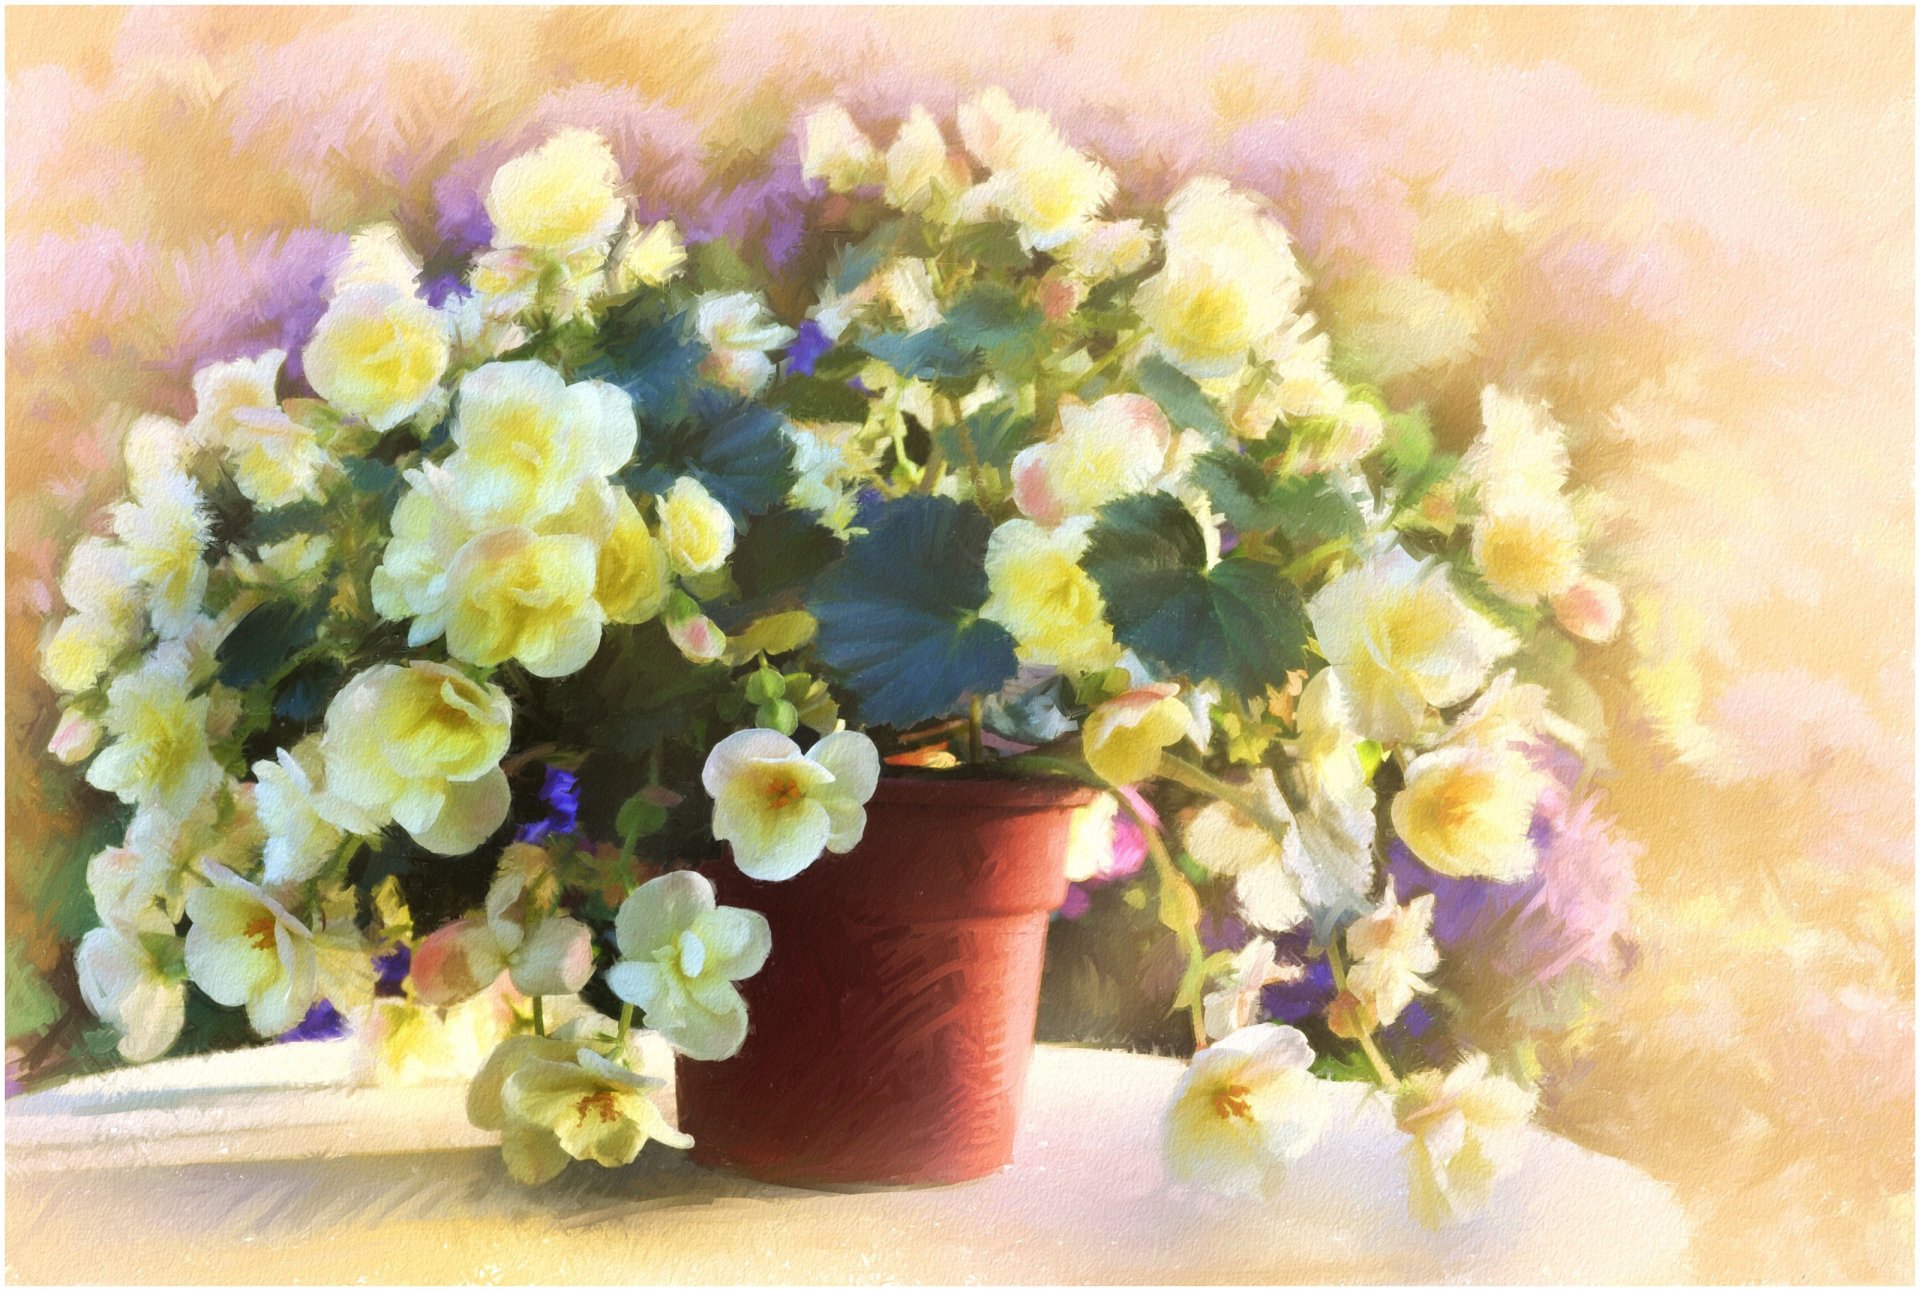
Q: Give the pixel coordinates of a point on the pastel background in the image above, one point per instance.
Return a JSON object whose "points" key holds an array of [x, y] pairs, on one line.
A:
{"points": [[1692, 231]]}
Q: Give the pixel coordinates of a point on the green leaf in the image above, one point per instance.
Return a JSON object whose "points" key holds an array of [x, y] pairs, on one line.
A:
{"points": [[733, 446], [639, 817], [717, 265], [993, 320], [988, 437], [266, 639], [637, 692], [1185, 404], [772, 564], [1239, 622], [821, 399], [900, 612], [930, 355], [653, 355]]}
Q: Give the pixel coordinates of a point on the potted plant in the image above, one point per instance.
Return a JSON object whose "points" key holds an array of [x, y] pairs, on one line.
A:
{"points": [[593, 645]]}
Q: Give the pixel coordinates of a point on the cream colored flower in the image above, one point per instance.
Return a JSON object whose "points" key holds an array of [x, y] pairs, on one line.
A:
{"points": [[1043, 597], [515, 594], [287, 794], [1467, 811], [1353, 429], [589, 1109], [378, 255], [1229, 281], [420, 744], [561, 197], [151, 870], [1401, 640], [1528, 550], [696, 528], [164, 532], [1245, 1107], [650, 259], [1591, 609], [738, 331], [297, 559], [1121, 444], [680, 955], [1521, 454], [243, 948], [527, 441], [1050, 190], [1236, 1003], [780, 808], [837, 151], [128, 987], [75, 737], [1122, 739], [522, 933], [276, 460], [921, 174], [1468, 1128], [697, 637], [377, 353], [1392, 951], [84, 646], [222, 389], [1109, 249], [158, 753], [1264, 868], [633, 576]]}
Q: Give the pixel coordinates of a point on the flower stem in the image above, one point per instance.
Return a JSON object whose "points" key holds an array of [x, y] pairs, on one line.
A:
{"points": [[1187, 929], [626, 1029], [973, 729], [1365, 1037], [539, 1018], [1200, 780]]}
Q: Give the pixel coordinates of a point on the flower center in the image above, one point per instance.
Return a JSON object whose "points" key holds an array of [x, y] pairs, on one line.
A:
{"points": [[782, 791], [601, 1103], [1231, 1101], [260, 930]]}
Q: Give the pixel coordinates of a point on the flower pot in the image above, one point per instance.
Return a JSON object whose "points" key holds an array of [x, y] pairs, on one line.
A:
{"points": [[892, 1024]]}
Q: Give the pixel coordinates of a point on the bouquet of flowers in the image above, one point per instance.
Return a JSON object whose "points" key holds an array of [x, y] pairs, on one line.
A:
{"points": [[433, 662]]}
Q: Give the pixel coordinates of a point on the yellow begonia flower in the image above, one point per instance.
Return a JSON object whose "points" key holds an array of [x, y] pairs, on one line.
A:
{"points": [[561, 197], [127, 987], [164, 530], [1050, 190], [276, 460], [377, 353], [1592, 609], [1123, 737], [837, 151], [1521, 454], [287, 796], [85, 646], [1245, 1107], [151, 870], [1466, 811], [378, 254], [222, 389], [1528, 550], [1401, 640], [1043, 597], [780, 808], [696, 528], [1108, 249], [588, 1109], [680, 955], [243, 948], [1264, 868], [653, 258], [295, 559], [921, 174], [1468, 1129], [526, 441], [632, 577], [158, 755], [1089, 851], [75, 737], [1392, 951], [522, 934], [515, 594], [1298, 383], [1229, 281], [738, 331], [1236, 1003], [1122, 444], [420, 744]]}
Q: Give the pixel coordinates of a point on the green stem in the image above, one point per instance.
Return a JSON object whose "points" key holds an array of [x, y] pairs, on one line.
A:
{"points": [[1122, 345], [1167, 873], [973, 730], [626, 1029], [1183, 772], [539, 1018], [1365, 1037]]}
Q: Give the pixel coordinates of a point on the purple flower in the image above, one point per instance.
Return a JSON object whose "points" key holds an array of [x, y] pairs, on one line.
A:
{"points": [[808, 348], [390, 970], [561, 793], [323, 1022], [1294, 1001]]}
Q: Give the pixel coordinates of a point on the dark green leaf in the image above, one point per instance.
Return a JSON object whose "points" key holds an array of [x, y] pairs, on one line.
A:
{"points": [[1185, 404], [821, 399], [1240, 621], [900, 617], [929, 355], [266, 639], [733, 446], [653, 356], [995, 321], [638, 692], [772, 563], [988, 437]]}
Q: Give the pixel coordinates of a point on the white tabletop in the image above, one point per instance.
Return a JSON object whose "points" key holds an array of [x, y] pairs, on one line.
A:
{"points": [[271, 1166]]}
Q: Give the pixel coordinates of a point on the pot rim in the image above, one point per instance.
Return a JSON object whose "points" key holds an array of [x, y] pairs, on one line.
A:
{"points": [[1024, 791]]}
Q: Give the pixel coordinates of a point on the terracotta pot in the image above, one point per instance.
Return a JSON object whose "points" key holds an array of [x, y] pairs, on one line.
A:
{"points": [[893, 1022]]}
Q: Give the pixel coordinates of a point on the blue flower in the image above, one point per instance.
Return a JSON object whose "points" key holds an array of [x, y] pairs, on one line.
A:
{"points": [[808, 348], [561, 793], [323, 1022], [390, 970]]}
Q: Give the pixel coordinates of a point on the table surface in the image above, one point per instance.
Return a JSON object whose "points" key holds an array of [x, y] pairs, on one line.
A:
{"points": [[272, 1166]]}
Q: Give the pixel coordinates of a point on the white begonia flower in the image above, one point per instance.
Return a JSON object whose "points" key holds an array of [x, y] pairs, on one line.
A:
{"points": [[738, 331], [243, 948], [906, 285], [1245, 1107], [128, 986], [680, 955], [1119, 445], [828, 467], [420, 744], [632, 574], [526, 441], [1402, 640], [1520, 456], [560, 198], [100, 586], [1466, 810], [521, 933], [222, 389], [515, 594], [1035, 179], [1266, 882], [650, 259], [695, 527], [590, 1109], [837, 151], [158, 753], [1236, 1002], [1228, 284], [296, 559], [152, 868], [75, 737], [1592, 609], [1392, 951], [1468, 1128], [164, 531], [287, 792], [921, 173], [378, 255], [378, 353], [155, 449], [1528, 550], [276, 460], [1109, 249], [1040, 594], [430, 527], [780, 808]]}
